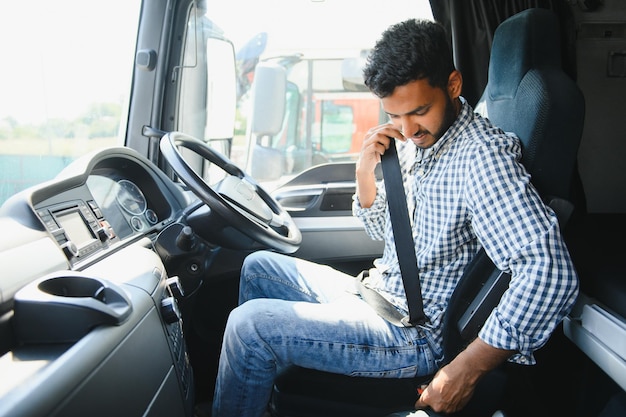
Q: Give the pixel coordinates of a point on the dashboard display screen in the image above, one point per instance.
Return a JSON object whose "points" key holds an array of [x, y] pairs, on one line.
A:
{"points": [[75, 228]]}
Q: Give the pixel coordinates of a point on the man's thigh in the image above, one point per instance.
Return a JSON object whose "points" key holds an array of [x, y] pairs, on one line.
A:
{"points": [[342, 336]]}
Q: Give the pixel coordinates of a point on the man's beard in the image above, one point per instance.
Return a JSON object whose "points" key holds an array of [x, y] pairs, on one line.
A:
{"points": [[449, 117]]}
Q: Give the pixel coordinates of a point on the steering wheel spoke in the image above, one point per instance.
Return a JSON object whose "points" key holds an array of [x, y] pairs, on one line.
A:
{"points": [[244, 194]]}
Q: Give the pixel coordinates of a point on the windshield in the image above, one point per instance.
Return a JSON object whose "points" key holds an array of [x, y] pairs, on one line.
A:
{"points": [[64, 83], [323, 108], [326, 115]]}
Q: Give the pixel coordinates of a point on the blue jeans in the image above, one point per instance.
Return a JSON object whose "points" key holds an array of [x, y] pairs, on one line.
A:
{"points": [[297, 312]]}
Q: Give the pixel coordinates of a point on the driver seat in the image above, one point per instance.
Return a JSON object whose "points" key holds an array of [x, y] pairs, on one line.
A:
{"points": [[527, 93]]}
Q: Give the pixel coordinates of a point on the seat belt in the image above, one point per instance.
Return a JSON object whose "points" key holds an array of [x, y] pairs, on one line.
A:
{"points": [[405, 248]]}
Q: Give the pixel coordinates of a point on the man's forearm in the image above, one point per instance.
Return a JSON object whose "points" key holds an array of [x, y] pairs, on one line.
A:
{"points": [[479, 358], [365, 188]]}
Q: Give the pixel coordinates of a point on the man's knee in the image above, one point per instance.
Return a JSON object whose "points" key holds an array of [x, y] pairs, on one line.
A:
{"points": [[247, 320], [255, 262]]}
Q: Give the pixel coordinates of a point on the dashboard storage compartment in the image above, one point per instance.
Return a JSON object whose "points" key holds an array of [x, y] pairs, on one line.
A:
{"points": [[64, 307]]}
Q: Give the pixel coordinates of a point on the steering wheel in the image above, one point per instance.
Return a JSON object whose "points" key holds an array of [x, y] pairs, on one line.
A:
{"points": [[238, 198]]}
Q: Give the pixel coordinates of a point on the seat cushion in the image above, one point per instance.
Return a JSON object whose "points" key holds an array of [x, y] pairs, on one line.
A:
{"points": [[300, 392]]}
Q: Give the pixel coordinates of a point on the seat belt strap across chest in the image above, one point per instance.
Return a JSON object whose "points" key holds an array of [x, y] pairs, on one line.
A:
{"points": [[403, 234]]}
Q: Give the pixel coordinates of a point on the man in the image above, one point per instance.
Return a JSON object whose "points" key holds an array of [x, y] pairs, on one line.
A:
{"points": [[465, 190]]}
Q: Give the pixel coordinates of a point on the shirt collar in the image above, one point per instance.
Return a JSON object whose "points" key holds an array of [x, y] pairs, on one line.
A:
{"points": [[441, 146]]}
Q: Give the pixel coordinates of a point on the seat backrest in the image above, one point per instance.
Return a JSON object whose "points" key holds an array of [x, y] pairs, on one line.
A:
{"points": [[527, 93]]}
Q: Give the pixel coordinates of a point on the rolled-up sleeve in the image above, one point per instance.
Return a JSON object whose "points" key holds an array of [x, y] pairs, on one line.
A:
{"points": [[543, 288], [521, 235], [373, 217]]}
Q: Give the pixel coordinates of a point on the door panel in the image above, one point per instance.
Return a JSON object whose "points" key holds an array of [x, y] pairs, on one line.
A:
{"points": [[320, 202]]}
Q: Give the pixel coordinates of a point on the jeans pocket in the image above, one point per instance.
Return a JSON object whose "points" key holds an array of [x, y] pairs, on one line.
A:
{"points": [[406, 372]]}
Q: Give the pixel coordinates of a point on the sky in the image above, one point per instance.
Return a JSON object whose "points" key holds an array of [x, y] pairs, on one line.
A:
{"points": [[305, 24], [51, 68]]}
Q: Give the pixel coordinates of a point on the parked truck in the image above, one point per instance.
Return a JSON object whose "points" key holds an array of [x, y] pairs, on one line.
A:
{"points": [[319, 110]]}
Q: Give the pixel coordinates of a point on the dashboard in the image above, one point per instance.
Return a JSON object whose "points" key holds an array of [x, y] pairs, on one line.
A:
{"points": [[85, 292], [119, 197]]}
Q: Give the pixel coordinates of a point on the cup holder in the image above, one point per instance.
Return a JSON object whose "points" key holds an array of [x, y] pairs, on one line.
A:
{"points": [[73, 287], [64, 308]]}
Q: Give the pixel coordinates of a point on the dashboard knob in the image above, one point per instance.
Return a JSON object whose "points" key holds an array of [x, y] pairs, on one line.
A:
{"points": [[169, 310], [175, 287], [186, 239], [103, 235], [70, 249]]}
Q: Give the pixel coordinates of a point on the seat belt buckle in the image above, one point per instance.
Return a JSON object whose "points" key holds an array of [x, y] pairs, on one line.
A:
{"points": [[406, 321], [363, 274]]}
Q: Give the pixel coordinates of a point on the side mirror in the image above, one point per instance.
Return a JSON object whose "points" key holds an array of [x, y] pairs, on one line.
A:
{"points": [[268, 99], [221, 100]]}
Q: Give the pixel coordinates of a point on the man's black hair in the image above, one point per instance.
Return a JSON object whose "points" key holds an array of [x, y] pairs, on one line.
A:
{"points": [[409, 51]]}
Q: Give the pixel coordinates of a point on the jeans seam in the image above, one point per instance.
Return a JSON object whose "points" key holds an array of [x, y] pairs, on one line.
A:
{"points": [[249, 278]]}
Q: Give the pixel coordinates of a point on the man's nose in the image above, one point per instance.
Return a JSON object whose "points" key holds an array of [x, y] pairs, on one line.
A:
{"points": [[408, 127]]}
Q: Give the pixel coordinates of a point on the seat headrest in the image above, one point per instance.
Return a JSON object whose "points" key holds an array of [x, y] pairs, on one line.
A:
{"points": [[533, 31]]}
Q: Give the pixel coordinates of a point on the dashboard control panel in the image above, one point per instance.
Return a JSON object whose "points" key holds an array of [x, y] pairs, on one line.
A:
{"points": [[79, 228]]}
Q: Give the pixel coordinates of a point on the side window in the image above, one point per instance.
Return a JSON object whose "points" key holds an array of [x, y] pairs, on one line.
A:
{"points": [[324, 107], [65, 83]]}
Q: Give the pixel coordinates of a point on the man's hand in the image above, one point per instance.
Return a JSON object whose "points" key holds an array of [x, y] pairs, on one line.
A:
{"points": [[375, 143], [447, 392], [454, 384]]}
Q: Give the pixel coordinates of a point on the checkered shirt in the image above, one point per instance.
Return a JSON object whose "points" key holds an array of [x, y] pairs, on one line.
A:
{"points": [[469, 191]]}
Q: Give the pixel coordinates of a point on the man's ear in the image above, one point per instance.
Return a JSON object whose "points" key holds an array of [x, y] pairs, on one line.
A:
{"points": [[455, 84]]}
